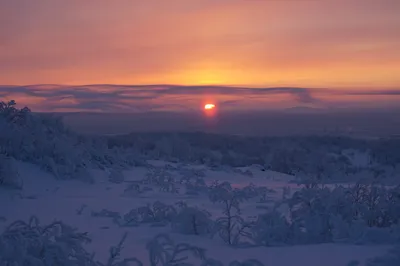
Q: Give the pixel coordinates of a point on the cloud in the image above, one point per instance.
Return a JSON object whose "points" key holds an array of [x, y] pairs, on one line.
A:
{"points": [[131, 98], [393, 92], [139, 98]]}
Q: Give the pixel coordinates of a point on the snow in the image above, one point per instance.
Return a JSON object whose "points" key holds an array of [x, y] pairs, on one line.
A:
{"points": [[357, 158], [73, 202], [260, 201]]}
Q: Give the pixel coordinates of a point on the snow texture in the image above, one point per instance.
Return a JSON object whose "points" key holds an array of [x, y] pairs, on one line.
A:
{"points": [[162, 199]]}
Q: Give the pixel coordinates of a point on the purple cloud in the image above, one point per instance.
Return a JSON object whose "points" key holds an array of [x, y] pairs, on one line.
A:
{"points": [[117, 98], [134, 97]]}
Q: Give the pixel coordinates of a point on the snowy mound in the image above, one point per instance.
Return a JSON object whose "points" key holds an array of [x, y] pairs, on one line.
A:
{"points": [[44, 140]]}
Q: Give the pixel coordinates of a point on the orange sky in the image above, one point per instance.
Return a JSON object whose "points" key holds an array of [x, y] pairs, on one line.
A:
{"points": [[353, 44]]}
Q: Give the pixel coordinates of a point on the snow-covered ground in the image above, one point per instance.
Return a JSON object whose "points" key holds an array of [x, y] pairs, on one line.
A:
{"points": [[75, 202]]}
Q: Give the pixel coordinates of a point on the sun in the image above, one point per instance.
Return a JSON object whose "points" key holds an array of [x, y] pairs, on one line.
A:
{"points": [[209, 106]]}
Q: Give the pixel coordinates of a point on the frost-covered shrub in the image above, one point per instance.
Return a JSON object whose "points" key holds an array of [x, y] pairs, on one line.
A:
{"points": [[272, 229], [363, 213], [9, 175], [231, 227], [135, 188], [164, 252], [182, 218], [252, 191], [11, 114], [42, 139], [194, 185], [157, 214], [311, 211], [162, 179], [292, 155], [115, 254], [29, 243], [192, 220]]}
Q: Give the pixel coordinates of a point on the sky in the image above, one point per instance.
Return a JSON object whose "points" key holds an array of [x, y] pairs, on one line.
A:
{"points": [[330, 53]]}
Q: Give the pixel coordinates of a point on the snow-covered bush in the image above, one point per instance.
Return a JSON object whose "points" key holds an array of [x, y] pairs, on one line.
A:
{"points": [[183, 219], [192, 177], [164, 252], [231, 227], [306, 156], [361, 213], [160, 177], [29, 243], [9, 175], [260, 193], [42, 139], [157, 214], [136, 188], [194, 184], [115, 254], [192, 220], [272, 229]]}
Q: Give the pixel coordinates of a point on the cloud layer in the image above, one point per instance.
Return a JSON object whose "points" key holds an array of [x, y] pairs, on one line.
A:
{"points": [[143, 98], [131, 98]]}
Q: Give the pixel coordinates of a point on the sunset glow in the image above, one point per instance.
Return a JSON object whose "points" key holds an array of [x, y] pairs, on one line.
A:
{"points": [[325, 47]]}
